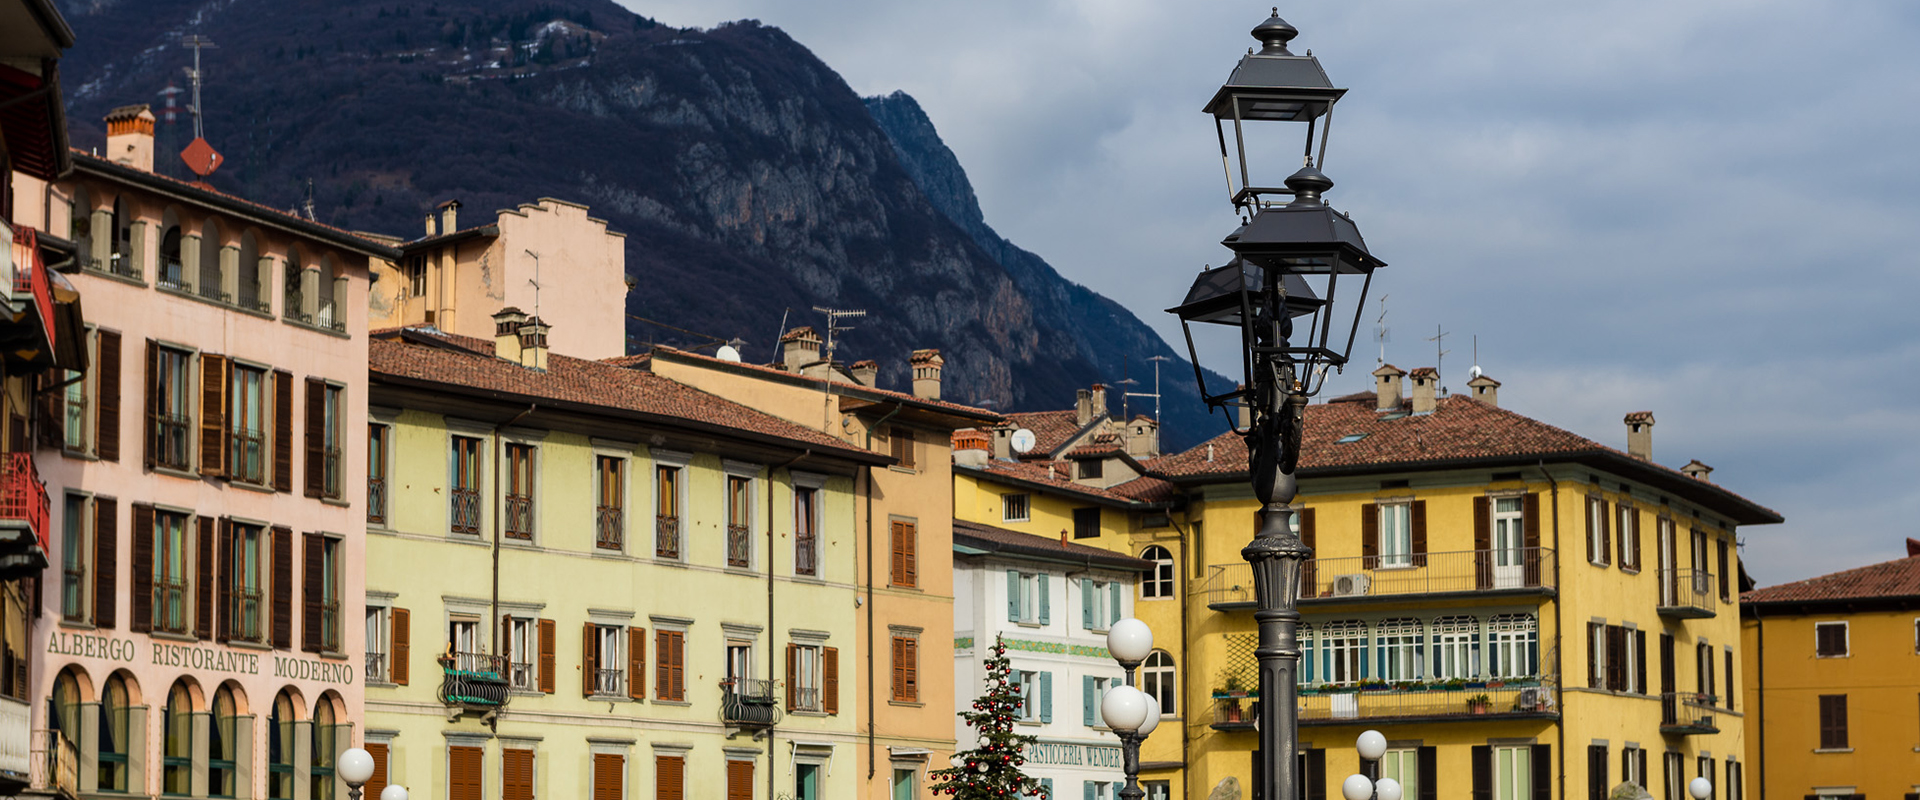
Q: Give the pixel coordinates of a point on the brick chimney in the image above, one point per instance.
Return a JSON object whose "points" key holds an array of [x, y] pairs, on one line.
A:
{"points": [[1143, 437], [798, 348], [506, 333], [1696, 470], [1082, 407], [1386, 387], [926, 373], [130, 137], [450, 216], [533, 343], [970, 447], [430, 221], [1098, 400], [1640, 435], [1426, 386], [1485, 390], [866, 373]]}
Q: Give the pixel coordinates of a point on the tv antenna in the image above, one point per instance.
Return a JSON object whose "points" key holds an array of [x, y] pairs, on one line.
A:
{"points": [[1438, 338], [197, 42], [834, 315], [1382, 333], [1157, 361], [308, 204], [536, 283]]}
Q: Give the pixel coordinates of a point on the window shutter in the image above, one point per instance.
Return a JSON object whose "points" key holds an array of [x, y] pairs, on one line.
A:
{"points": [[310, 594], [1086, 603], [1430, 773], [204, 559], [316, 436], [213, 415], [1046, 697], [637, 664], [1116, 600], [909, 534], [793, 677], [1597, 772], [1642, 754], [50, 411], [1088, 700], [106, 431], [1046, 599], [1530, 520], [516, 774], [1309, 586], [1419, 533], [1315, 775], [223, 613], [1726, 689], [1482, 772], [142, 570], [464, 767], [282, 587], [830, 680], [106, 554], [1606, 532], [151, 402], [739, 780], [1616, 658], [608, 769], [910, 652], [1543, 770], [679, 641], [1087, 789], [1013, 595], [1483, 546], [1370, 536], [670, 781], [899, 672], [401, 650], [282, 431], [589, 659], [505, 649], [1640, 661], [1636, 540], [378, 783], [1721, 544], [546, 634]]}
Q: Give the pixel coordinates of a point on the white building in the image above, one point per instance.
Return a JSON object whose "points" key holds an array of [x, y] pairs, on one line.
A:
{"points": [[1051, 601]]}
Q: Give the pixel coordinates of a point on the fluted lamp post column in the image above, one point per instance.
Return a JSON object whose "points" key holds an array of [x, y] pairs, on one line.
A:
{"points": [[1129, 712]]}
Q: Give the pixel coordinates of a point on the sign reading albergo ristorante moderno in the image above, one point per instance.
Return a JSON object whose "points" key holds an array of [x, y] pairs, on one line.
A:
{"points": [[187, 656]]}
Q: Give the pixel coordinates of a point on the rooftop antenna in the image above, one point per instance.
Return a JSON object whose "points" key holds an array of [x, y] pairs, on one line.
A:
{"points": [[1157, 361], [780, 337], [1382, 333], [1439, 356], [308, 205], [834, 315], [197, 42], [536, 283], [1126, 407], [1474, 372]]}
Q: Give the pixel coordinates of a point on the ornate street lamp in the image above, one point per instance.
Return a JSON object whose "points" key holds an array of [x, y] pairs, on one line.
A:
{"points": [[1289, 261], [1131, 713]]}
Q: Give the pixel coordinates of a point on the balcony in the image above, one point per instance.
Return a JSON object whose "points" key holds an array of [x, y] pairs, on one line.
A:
{"points": [[519, 516], [466, 511], [748, 703], [609, 525], [16, 744], [27, 336], [473, 681], [666, 536], [56, 764], [1403, 703], [23, 517], [739, 546], [1687, 594], [1687, 714], [1327, 581]]}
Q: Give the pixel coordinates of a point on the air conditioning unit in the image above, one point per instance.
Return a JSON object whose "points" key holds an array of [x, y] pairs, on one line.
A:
{"points": [[1350, 585], [1530, 699]]}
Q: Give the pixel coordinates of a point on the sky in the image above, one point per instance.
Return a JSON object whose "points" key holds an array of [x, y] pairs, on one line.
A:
{"points": [[1702, 209]]}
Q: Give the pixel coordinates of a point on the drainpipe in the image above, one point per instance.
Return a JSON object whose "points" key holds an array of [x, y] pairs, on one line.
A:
{"points": [[499, 641], [1559, 618], [1761, 691], [867, 472], [771, 633], [1186, 667]]}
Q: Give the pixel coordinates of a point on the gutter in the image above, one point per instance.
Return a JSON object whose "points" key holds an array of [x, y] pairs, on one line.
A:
{"points": [[1559, 630], [1761, 691]]}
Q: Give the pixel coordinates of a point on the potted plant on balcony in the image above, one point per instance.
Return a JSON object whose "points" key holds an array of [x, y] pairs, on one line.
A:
{"points": [[1479, 703], [1454, 684], [1410, 686], [1496, 683], [1234, 687], [1230, 708], [1373, 685]]}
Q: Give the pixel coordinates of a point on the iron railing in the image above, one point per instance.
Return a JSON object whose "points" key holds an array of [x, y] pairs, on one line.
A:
{"points": [[519, 516], [172, 274], [739, 546], [56, 764], [806, 698], [330, 457], [748, 702], [609, 527], [473, 679], [30, 278], [377, 500], [1687, 713], [172, 440], [610, 682], [23, 496], [1437, 703], [170, 605], [805, 559], [666, 536], [243, 616], [1687, 594], [520, 675], [1520, 570], [213, 292], [466, 511], [247, 460], [376, 667]]}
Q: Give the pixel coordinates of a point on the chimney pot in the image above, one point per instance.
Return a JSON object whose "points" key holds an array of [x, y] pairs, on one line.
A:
{"points": [[798, 348], [866, 373], [1640, 435], [1485, 390], [130, 136], [430, 230], [1099, 401], [449, 216], [533, 343], [506, 333], [926, 373], [1386, 387], [1426, 385], [1696, 470]]}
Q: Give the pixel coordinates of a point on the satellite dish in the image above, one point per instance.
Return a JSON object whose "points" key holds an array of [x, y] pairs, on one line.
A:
{"points": [[1022, 441], [727, 353], [1474, 372]]}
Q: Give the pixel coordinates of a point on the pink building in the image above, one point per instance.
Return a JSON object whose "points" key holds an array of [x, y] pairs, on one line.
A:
{"points": [[200, 631]]}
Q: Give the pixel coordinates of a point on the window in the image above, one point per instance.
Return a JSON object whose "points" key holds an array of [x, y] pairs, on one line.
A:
{"points": [[377, 438], [609, 776], [1455, 648], [246, 583], [172, 272], [176, 759], [247, 425], [609, 661], [1403, 765], [1156, 679], [806, 665], [416, 268], [1400, 645], [1097, 612], [670, 777], [1159, 790], [1027, 683], [609, 513], [1734, 780], [670, 665], [1674, 775], [519, 523], [326, 736], [1159, 582], [1027, 598], [379, 633], [463, 642], [806, 533], [1509, 534], [1726, 576], [1627, 531], [1515, 646], [739, 520], [666, 497], [1598, 546], [905, 784], [116, 736], [1346, 647], [75, 414], [1830, 639], [1396, 535], [466, 766], [74, 564], [1513, 773], [1705, 770], [1703, 672], [906, 669], [903, 537], [170, 583], [223, 745], [901, 440], [1833, 722], [170, 403], [465, 477], [293, 300], [1013, 508], [324, 418], [1086, 523], [516, 774], [1633, 766], [1092, 469], [322, 623], [523, 647], [739, 780]]}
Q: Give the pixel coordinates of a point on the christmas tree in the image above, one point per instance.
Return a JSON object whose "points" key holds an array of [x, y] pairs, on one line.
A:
{"points": [[992, 770]]}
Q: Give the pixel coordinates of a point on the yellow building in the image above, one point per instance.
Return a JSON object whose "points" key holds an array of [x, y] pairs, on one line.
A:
{"points": [[1832, 683], [589, 581], [1523, 612]]}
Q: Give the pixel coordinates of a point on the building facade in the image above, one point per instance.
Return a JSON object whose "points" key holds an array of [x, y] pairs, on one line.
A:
{"points": [[1832, 680]]}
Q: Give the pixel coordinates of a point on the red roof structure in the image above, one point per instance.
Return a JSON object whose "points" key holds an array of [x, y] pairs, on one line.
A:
{"points": [[1894, 580]]}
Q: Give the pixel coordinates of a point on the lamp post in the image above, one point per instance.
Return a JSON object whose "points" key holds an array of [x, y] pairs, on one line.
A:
{"points": [[1368, 785], [1131, 713], [1288, 261], [356, 768], [1700, 788]]}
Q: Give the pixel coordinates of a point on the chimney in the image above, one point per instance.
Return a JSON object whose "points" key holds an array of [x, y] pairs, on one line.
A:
{"points": [[1485, 390], [800, 347], [926, 373], [449, 216], [1426, 383], [970, 447], [1083, 407], [1913, 547], [1386, 385], [1696, 470], [1640, 435], [1099, 400], [130, 137], [430, 230], [506, 333], [1143, 437], [1243, 411], [533, 343], [866, 373]]}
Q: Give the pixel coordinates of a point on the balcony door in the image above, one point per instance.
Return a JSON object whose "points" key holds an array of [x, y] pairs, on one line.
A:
{"points": [[1669, 577], [1509, 543]]}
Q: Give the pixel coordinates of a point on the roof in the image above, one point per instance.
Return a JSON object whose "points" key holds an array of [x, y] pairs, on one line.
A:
{"points": [[1051, 429], [431, 358], [1460, 432], [839, 387], [451, 237], [1887, 580], [1056, 477], [1000, 541]]}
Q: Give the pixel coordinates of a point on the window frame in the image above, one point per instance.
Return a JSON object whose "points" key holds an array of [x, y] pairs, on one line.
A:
{"points": [[1454, 635], [466, 457], [1027, 683], [238, 438], [379, 468], [332, 581], [379, 645], [1160, 583], [522, 487], [1833, 722], [262, 599], [523, 653], [807, 491], [908, 690], [1520, 762], [1597, 533], [611, 520], [1158, 677], [178, 368], [76, 558], [1395, 526], [1016, 501], [179, 589], [1400, 641], [1346, 645], [609, 660], [740, 518], [669, 510], [1516, 635], [809, 660], [1846, 639], [84, 392]]}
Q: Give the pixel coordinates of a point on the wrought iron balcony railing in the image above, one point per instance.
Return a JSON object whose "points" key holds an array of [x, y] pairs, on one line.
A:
{"points": [[610, 682], [748, 703], [519, 516], [475, 680], [1687, 714], [609, 527], [376, 667], [1523, 699], [466, 511], [666, 536], [1687, 594], [805, 560], [1523, 570], [739, 546], [377, 501]]}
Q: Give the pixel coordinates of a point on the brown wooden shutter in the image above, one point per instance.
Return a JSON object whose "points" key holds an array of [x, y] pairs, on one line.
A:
{"points": [[106, 557], [1543, 771], [1616, 658], [1483, 542], [1640, 661], [899, 671], [607, 774], [316, 438], [151, 403], [1726, 689], [1724, 573], [910, 669], [830, 680], [1370, 536], [213, 415], [1606, 531], [793, 676], [506, 643], [282, 586], [282, 431], [546, 655], [1419, 533], [142, 569], [400, 653], [204, 559], [739, 780], [637, 663], [1309, 577], [1636, 540], [50, 432], [1482, 772], [906, 572], [106, 421], [464, 768], [378, 783], [589, 659], [1530, 519], [679, 641], [310, 609], [670, 778], [516, 774], [223, 611]]}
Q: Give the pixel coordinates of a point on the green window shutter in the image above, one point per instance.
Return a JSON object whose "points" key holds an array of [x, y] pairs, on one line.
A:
{"points": [[1013, 595], [1047, 784], [1088, 785], [1114, 609], [1046, 697], [1089, 697], [1045, 599], [1086, 603]]}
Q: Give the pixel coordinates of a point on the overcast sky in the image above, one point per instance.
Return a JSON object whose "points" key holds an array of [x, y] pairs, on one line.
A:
{"points": [[1703, 209]]}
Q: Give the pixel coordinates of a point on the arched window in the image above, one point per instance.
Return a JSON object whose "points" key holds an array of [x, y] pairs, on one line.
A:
{"points": [[280, 741], [114, 732], [1516, 646], [1156, 678], [1400, 649], [212, 283], [63, 707], [250, 296], [324, 731], [223, 749], [1456, 648], [177, 753], [1158, 583], [1346, 648]]}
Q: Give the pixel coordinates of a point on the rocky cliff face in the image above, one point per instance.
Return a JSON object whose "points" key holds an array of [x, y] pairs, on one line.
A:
{"points": [[752, 182]]}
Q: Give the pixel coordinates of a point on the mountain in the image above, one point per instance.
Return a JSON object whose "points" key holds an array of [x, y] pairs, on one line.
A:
{"points": [[753, 183]]}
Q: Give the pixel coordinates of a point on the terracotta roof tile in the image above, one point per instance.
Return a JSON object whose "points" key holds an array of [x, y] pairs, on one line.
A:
{"points": [[258, 208], [1051, 429], [1058, 478], [1888, 579], [987, 537], [978, 413]]}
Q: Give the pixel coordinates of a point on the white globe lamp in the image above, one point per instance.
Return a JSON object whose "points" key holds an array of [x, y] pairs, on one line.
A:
{"points": [[1153, 716], [1700, 788], [1124, 708], [1372, 745], [1388, 789], [1357, 787], [356, 766], [1130, 641], [394, 793]]}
